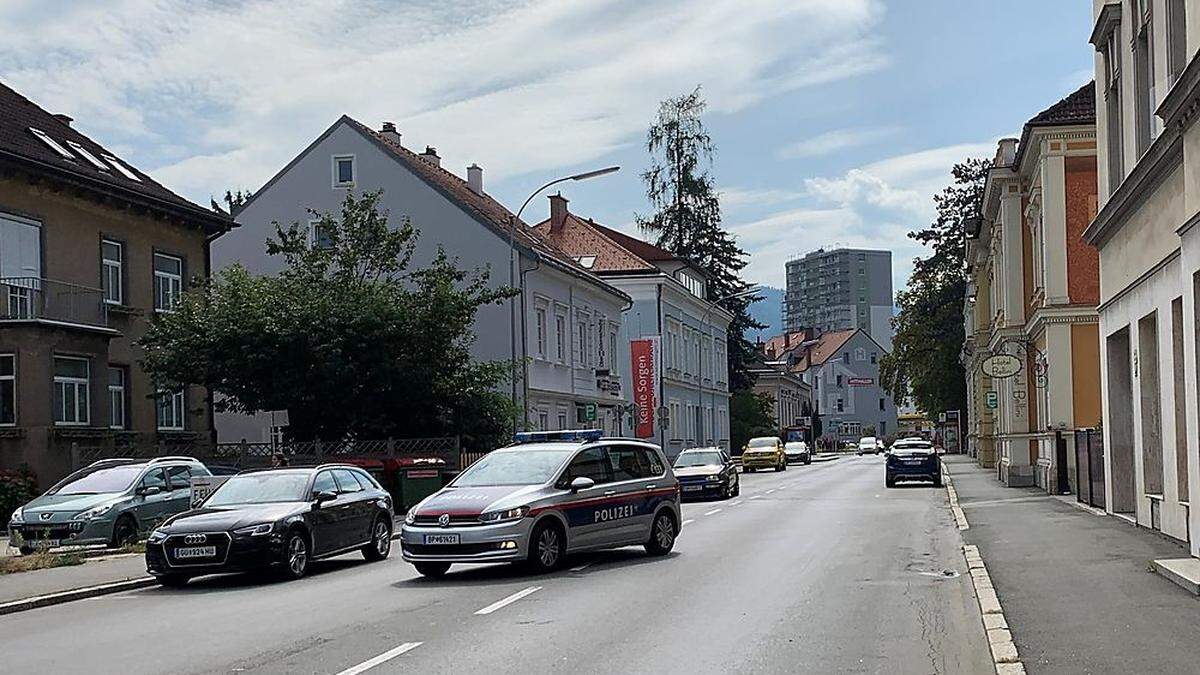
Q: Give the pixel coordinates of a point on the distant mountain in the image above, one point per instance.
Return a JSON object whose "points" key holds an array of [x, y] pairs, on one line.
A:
{"points": [[768, 311]]}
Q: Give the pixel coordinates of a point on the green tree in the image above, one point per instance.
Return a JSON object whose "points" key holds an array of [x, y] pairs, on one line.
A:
{"points": [[750, 416], [687, 218], [924, 362], [350, 338]]}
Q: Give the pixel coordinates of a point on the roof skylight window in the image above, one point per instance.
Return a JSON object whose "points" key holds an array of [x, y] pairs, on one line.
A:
{"points": [[88, 156], [124, 170], [586, 261], [51, 143]]}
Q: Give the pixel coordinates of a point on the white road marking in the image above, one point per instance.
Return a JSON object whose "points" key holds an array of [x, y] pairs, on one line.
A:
{"points": [[382, 658], [509, 600], [770, 491], [756, 497], [581, 568], [736, 503], [783, 487], [688, 521], [712, 512]]}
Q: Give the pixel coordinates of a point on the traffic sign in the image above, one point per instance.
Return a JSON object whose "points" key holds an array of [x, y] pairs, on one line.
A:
{"points": [[991, 399], [589, 412]]}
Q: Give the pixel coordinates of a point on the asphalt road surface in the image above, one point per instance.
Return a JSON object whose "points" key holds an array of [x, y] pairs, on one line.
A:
{"points": [[818, 569]]}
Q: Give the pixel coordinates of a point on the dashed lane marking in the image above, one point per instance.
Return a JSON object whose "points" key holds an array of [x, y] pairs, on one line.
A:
{"points": [[736, 503], [382, 658], [709, 513], [756, 497], [770, 491], [500, 604], [688, 521], [581, 568]]}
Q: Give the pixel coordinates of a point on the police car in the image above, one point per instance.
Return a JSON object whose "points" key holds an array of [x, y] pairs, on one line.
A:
{"points": [[547, 495]]}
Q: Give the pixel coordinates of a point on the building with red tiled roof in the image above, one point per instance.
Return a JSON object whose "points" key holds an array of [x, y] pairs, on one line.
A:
{"points": [[91, 248], [670, 308], [564, 324]]}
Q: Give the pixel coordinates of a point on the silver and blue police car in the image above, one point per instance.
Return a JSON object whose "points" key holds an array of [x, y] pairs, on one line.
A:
{"points": [[547, 495]]}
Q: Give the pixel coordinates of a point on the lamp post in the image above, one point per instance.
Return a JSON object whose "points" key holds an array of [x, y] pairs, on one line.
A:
{"points": [[749, 290], [512, 265]]}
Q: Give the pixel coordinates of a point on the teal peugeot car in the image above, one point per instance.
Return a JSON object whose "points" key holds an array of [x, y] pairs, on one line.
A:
{"points": [[113, 502]]}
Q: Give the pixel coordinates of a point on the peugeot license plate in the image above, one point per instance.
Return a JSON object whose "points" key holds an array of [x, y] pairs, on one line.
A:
{"points": [[441, 539], [196, 552]]}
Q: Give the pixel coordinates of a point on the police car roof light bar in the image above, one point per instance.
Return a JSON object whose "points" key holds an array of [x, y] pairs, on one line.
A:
{"points": [[566, 435]]}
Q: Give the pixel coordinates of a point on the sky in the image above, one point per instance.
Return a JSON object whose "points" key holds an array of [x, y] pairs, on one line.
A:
{"points": [[835, 121]]}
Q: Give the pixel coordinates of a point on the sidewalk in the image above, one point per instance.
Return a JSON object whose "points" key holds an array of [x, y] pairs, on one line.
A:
{"points": [[22, 585], [1075, 587]]}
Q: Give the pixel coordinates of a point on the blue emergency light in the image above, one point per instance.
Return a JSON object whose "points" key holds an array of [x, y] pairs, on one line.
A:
{"points": [[567, 435]]}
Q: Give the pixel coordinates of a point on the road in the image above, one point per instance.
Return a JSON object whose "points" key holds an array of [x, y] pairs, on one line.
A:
{"points": [[818, 569]]}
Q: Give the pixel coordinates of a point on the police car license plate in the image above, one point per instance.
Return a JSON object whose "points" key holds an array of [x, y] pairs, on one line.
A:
{"points": [[693, 488], [47, 543], [441, 539], [196, 552]]}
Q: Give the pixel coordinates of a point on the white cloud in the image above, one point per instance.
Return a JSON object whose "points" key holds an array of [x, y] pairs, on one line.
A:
{"points": [[737, 198], [222, 93], [873, 206], [835, 141]]}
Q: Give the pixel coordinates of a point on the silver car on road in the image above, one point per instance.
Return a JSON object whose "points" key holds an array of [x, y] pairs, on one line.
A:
{"points": [[550, 494]]}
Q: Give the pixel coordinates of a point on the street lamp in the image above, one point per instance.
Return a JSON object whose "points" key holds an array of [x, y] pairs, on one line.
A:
{"points": [[747, 291], [512, 264]]}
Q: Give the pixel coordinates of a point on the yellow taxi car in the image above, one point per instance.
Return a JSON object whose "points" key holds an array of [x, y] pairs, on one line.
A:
{"points": [[765, 452]]}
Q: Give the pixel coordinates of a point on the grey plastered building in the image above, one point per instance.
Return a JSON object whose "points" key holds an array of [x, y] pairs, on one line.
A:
{"points": [[841, 289]]}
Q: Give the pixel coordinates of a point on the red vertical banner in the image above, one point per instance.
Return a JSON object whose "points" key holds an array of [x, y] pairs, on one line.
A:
{"points": [[644, 353]]}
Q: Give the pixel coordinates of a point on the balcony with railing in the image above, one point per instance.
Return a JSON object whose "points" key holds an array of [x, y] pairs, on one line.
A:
{"points": [[39, 300]]}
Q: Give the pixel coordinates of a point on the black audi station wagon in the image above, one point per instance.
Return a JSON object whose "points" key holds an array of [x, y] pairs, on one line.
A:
{"points": [[281, 518]]}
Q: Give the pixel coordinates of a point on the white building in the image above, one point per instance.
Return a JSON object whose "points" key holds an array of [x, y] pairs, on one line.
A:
{"points": [[1148, 93], [566, 318]]}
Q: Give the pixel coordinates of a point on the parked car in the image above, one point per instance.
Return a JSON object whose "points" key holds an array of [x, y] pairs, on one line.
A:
{"points": [[913, 459], [280, 518], [551, 494], [707, 472], [764, 452], [868, 444], [797, 451], [112, 501]]}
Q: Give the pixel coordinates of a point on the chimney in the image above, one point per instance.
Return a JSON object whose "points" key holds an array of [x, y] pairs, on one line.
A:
{"points": [[475, 178], [430, 155], [1006, 153], [787, 340], [558, 211], [65, 119], [389, 132]]}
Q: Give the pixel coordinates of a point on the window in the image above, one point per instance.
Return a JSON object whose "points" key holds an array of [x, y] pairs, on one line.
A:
{"points": [[846, 358], [874, 357], [840, 406], [862, 257], [562, 419], [560, 337], [581, 350], [324, 483], [883, 404], [347, 482], [8, 389], [170, 410], [343, 171], [543, 420], [1143, 63], [540, 323], [598, 341], [121, 168], [628, 463], [839, 381], [51, 143], [71, 380], [155, 478], [116, 397], [1176, 40], [168, 281], [860, 354], [179, 477], [92, 159], [320, 235], [1112, 106], [112, 258], [591, 463]]}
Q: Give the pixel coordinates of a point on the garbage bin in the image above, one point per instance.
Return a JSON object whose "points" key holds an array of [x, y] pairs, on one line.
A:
{"points": [[419, 478]]}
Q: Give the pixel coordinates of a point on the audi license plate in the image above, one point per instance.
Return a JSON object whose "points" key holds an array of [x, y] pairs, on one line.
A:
{"points": [[693, 488], [441, 539], [196, 552]]}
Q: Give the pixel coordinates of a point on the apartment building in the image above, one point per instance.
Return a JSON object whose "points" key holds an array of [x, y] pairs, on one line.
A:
{"points": [[841, 289], [1148, 93], [91, 250], [562, 328], [1032, 295], [689, 369], [791, 396]]}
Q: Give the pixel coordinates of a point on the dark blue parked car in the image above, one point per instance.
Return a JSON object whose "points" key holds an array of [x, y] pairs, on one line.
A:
{"points": [[913, 459]]}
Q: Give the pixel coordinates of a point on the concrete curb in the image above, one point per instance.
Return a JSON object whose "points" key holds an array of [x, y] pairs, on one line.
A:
{"points": [[74, 594], [960, 518], [995, 625]]}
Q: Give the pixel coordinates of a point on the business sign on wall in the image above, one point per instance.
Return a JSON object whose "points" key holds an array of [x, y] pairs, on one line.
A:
{"points": [[860, 381], [644, 355], [1001, 365]]}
